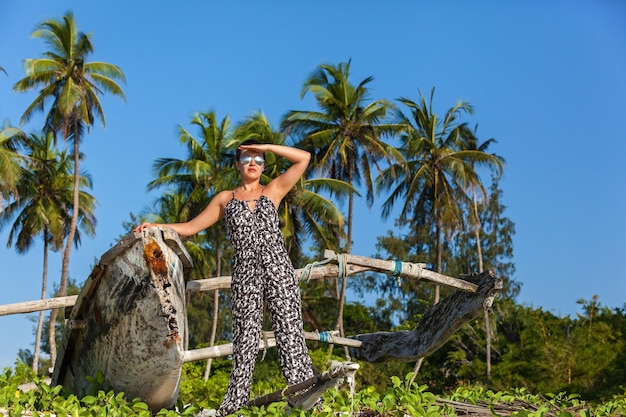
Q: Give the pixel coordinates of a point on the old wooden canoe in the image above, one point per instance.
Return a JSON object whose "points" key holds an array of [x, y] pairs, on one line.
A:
{"points": [[129, 323]]}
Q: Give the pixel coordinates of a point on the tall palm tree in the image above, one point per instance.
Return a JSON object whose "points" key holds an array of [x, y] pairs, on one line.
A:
{"points": [[44, 208], [73, 85], [470, 141], [345, 137], [439, 170], [206, 171]]}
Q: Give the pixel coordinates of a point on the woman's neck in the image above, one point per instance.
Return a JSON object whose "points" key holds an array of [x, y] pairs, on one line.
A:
{"points": [[253, 186]]}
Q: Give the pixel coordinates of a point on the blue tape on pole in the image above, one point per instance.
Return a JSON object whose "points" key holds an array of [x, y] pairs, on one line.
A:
{"points": [[397, 270]]}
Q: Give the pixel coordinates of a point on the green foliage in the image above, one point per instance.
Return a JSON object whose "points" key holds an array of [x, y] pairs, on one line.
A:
{"points": [[400, 398]]}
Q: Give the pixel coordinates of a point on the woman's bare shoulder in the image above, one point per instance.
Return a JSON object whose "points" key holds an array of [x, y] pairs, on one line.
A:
{"points": [[223, 196]]}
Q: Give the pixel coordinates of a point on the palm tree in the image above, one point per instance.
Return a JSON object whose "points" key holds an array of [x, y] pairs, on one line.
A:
{"points": [[439, 170], [344, 137], [74, 86], [471, 142], [44, 208]]}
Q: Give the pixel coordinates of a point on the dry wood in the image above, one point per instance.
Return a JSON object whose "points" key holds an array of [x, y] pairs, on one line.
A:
{"points": [[439, 323], [268, 342], [316, 272], [408, 270], [354, 265], [38, 305], [484, 408], [305, 394]]}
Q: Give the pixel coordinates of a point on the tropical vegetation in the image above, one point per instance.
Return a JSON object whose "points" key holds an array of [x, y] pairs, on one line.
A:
{"points": [[428, 167]]}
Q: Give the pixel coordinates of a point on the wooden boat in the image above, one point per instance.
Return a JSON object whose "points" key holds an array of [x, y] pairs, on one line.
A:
{"points": [[129, 322]]}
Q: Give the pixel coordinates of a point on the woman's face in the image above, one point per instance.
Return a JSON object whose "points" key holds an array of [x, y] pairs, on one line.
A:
{"points": [[250, 164]]}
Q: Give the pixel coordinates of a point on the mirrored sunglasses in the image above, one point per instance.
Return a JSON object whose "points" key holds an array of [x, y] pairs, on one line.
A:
{"points": [[258, 160]]}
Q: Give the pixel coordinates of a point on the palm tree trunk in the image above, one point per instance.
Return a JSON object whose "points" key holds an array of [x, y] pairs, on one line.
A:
{"points": [[68, 247], [439, 257], [477, 230], [438, 228], [43, 296], [344, 278], [479, 250]]}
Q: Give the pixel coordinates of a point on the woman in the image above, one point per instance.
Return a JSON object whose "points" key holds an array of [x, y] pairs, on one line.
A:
{"points": [[262, 270]]}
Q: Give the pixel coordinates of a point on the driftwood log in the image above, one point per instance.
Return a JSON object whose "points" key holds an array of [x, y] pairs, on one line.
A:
{"points": [[438, 324], [305, 394]]}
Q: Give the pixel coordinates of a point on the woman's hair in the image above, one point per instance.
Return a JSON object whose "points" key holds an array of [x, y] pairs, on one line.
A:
{"points": [[246, 142]]}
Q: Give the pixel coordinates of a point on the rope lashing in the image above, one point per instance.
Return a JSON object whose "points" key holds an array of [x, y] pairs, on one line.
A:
{"points": [[327, 336], [406, 270], [308, 268], [341, 261], [265, 343], [343, 266]]}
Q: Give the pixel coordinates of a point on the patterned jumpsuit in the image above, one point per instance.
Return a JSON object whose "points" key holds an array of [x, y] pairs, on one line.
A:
{"points": [[262, 271]]}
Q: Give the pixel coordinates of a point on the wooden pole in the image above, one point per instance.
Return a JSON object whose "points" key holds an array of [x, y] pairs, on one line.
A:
{"points": [[39, 305], [268, 342], [407, 269], [354, 264]]}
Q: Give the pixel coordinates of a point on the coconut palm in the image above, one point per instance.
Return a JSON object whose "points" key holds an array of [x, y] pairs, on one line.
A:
{"points": [[73, 85], [470, 141], [44, 208], [439, 170], [345, 137]]}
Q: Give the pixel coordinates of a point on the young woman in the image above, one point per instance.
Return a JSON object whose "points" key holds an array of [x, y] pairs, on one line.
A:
{"points": [[262, 270]]}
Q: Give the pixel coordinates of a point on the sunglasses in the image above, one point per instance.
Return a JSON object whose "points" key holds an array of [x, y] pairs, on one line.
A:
{"points": [[258, 160]]}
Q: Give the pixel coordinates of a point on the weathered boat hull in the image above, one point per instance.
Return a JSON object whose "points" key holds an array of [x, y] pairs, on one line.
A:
{"points": [[129, 322]]}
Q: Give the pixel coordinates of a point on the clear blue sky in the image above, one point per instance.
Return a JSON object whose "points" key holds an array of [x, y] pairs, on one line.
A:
{"points": [[547, 79]]}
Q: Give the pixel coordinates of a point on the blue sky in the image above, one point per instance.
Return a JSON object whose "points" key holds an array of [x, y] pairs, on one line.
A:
{"points": [[546, 80]]}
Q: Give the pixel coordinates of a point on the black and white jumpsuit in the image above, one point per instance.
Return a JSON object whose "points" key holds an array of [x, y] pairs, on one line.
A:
{"points": [[262, 271]]}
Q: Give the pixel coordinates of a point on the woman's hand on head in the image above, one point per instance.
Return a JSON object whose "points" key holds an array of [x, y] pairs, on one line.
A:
{"points": [[256, 147]]}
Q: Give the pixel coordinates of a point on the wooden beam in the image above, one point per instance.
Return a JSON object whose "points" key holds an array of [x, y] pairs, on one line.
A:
{"points": [[405, 270], [316, 272], [32, 306], [353, 264], [268, 342]]}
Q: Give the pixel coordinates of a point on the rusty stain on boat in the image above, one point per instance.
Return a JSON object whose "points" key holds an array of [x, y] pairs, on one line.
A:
{"points": [[155, 258]]}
